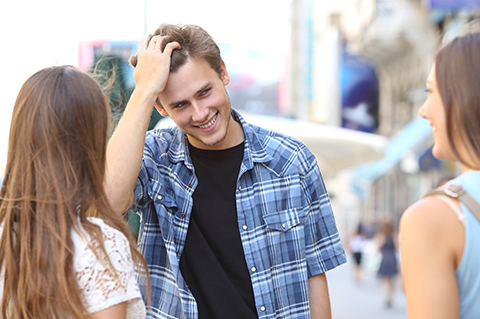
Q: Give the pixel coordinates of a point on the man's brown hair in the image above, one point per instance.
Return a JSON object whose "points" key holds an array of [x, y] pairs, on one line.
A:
{"points": [[195, 43]]}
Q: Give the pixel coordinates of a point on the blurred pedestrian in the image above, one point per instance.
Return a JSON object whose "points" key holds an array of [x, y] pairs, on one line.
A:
{"points": [[355, 246], [55, 262], [440, 237], [388, 268]]}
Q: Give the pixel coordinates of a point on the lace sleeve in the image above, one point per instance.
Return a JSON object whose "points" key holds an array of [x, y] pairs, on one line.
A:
{"points": [[101, 289]]}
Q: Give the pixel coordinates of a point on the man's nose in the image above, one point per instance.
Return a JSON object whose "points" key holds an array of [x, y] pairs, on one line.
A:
{"points": [[200, 112]]}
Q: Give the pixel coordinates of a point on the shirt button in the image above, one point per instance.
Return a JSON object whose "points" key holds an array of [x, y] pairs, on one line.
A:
{"points": [[262, 308], [283, 225], [189, 185], [245, 227], [183, 215], [239, 187], [159, 197], [254, 269]]}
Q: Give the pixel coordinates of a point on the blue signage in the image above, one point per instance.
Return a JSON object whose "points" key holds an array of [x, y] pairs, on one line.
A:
{"points": [[359, 89], [453, 4]]}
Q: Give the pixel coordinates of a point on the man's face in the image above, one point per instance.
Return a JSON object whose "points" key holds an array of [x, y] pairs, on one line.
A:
{"points": [[197, 101]]}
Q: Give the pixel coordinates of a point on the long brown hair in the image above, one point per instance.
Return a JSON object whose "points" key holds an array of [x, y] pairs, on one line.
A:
{"points": [[53, 180], [457, 70]]}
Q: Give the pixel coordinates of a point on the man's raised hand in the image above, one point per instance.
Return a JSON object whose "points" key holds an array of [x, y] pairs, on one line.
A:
{"points": [[153, 65]]}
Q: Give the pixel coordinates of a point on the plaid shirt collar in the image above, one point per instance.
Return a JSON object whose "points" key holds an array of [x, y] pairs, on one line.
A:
{"points": [[254, 150]]}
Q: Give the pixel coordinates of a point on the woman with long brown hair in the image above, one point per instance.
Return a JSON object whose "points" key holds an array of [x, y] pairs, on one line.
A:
{"points": [[440, 234], [55, 261]]}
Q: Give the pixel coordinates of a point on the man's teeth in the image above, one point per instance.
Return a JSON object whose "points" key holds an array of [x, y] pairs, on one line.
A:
{"points": [[209, 123]]}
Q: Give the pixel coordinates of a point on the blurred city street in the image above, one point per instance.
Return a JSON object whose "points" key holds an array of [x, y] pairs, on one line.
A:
{"points": [[346, 78], [365, 301]]}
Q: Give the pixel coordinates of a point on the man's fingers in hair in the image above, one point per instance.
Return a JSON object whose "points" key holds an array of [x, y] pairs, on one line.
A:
{"points": [[144, 44], [171, 46], [158, 43], [155, 43]]}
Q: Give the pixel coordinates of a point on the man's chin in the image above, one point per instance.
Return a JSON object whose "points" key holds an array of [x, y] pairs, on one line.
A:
{"points": [[205, 143]]}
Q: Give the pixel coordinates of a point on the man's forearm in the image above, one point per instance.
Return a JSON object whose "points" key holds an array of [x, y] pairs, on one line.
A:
{"points": [[125, 150], [318, 297]]}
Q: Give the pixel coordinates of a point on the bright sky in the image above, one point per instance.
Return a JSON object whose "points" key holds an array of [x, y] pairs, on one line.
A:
{"points": [[36, 34]]}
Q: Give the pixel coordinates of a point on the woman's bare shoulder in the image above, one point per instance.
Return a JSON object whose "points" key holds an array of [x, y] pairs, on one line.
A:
{"points": [[429, 212], [433, 223]]}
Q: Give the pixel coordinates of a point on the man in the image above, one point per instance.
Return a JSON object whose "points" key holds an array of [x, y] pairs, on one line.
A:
{"points": [[235, 219]]}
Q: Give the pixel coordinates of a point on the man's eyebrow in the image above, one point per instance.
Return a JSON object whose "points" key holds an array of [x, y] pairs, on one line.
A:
{"points": [[206, 85], [203, 88]]}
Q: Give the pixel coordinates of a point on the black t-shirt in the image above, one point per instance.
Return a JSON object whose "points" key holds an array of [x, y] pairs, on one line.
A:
{"points": [[213, 263]]}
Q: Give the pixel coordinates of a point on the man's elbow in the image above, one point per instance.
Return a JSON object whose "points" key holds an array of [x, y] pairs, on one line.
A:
{"points": [[120, 204]]}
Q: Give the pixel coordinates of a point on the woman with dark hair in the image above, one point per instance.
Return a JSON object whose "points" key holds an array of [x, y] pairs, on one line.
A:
{"points": [[439, 236], [55, 261], [356, 245], [388, 269]]}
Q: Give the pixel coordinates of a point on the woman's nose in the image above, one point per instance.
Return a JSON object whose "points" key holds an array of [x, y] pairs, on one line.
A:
{"points": [[422, 110]]}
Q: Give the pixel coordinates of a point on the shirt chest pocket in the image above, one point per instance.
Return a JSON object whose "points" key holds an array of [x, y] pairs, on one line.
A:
{"points": [[285, 220], [161, 197]]}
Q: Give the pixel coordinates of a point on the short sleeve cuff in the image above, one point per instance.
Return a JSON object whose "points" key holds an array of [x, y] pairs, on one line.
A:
{"points": [[326, 260]]}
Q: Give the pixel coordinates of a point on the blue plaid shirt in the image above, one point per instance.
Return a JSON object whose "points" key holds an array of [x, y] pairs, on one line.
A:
{"points": [[286, 224]]}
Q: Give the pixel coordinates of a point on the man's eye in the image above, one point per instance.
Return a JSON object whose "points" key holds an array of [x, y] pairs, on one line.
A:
{"points": [[205, 92], [179, 105]]}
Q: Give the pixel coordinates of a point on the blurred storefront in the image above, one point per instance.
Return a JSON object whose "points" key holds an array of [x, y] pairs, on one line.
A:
{"points": [[401, 42], [388, 186], [382, 53], [409, 170]]}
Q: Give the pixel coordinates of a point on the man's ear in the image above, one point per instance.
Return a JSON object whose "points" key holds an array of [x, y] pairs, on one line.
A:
{"points": [[224, 75], [160, 109]]}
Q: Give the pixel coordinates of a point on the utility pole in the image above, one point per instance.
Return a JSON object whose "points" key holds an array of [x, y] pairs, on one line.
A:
{"points": [[300, 60], [145, 30]]}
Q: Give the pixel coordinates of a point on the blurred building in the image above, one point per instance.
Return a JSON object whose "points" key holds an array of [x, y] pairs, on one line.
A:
{"points": [[409, 169], [362, 64]]}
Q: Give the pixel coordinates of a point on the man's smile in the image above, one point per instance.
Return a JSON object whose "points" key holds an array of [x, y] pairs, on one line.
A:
{"points": [[209, 123]]}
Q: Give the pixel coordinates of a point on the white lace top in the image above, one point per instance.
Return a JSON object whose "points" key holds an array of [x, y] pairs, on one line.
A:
{"points": [[101, 290]]}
